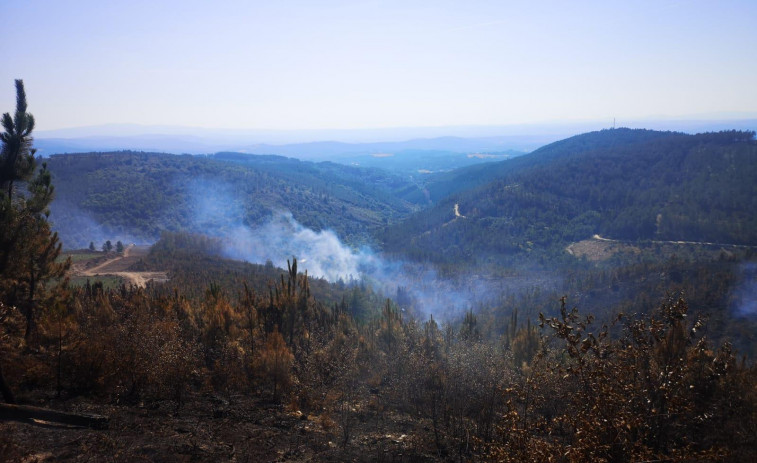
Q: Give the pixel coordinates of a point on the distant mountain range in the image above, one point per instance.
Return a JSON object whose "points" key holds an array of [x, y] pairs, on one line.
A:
{"points": [[315, 151], [343, 145]]}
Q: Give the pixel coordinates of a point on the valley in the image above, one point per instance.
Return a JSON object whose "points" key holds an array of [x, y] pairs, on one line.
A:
{"points": [[524, 225], [291, 310], [378, 231], [543, 214]]}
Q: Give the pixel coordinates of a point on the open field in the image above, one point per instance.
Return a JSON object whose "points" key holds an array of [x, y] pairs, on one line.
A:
{"points": [[96, 265]]}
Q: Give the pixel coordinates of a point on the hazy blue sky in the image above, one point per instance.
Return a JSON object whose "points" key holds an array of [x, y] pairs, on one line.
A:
{"points": [[364, 64]]}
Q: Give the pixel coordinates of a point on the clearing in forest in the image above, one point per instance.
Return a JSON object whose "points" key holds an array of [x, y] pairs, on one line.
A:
{"points": [[119, 266]]}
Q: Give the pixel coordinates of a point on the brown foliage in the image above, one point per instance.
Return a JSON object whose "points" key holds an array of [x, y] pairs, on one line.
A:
{"points": [[275, 362], [641, 388]]}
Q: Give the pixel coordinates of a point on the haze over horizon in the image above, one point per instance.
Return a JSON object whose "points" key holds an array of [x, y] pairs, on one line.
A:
{"points": [[314, 144], [376, 65]]}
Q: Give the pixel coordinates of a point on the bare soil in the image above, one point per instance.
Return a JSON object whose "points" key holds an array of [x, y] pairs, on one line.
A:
{"points": [[215, 430], [598, 249], [119, 265]]}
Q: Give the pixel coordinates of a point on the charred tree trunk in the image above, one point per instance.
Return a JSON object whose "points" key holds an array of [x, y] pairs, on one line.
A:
{"points": [[24, 412], [5, 389]]}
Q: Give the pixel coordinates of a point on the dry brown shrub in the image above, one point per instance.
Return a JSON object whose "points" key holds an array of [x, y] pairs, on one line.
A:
{"points": [[275, 362]]}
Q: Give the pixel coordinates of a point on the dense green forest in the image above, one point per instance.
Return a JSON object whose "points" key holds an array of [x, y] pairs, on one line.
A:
{"points": [[444, 184], [138, 195], [622, 184]]}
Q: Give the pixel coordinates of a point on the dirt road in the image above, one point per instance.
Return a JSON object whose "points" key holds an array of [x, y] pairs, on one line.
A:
{"points": [[599, 248], [696, 243], [119, 266]]}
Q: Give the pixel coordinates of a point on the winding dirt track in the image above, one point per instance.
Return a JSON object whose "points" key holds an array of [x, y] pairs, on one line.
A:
{"points": [[599, 248], [119, 266], [696, 243]]}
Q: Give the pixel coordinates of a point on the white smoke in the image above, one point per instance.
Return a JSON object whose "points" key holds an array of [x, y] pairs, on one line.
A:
{"points": [[323, 255], [744, 293], [320, 252], [219, 212], [77, 228]]}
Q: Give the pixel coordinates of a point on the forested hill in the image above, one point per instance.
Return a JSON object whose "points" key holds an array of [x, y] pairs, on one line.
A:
{"points": [[439, 186], [129, 195], [623, 184]]}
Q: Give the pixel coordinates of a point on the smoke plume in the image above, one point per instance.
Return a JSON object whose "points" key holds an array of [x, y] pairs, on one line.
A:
{"points": [[219, 212], [744, 296]]}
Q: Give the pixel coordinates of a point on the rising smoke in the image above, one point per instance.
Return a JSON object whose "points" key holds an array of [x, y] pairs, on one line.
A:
{"points": [[219, 212], [744, 294], [323, 255], [76, 228], [320, 252]]}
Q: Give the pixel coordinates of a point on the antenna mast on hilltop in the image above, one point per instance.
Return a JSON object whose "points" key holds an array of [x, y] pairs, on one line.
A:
{"points": [[613, 123]]}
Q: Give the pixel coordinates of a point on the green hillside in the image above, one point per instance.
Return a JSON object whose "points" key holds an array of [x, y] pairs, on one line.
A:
{"points": [[441, 185], [623, 184], [138, 195]]}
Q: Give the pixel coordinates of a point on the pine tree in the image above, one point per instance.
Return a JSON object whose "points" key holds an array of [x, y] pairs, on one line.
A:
{"points": [[29, 274], [17, 160]]}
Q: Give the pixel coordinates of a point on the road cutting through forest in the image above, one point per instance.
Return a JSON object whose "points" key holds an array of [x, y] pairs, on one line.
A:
{"points": [[119, 266], [696, 243], [599, 248]]}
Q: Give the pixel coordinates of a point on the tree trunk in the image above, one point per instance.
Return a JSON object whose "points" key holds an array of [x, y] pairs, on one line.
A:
{"points": [[5, 389], [25, 412], [31, 327]]}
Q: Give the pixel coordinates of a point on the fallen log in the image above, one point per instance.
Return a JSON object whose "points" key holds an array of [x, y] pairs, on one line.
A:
{"points": [[26, 412]]}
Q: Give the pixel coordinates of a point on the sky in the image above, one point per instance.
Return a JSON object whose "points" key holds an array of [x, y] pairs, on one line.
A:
{"points": [[293, 65]]}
